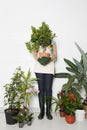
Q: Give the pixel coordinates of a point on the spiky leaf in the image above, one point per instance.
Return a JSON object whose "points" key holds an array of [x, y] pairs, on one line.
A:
{"points": [[62, 75], [71, 64]]}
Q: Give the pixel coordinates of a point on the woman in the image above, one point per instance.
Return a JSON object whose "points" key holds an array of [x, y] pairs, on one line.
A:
{"points": [[45, 75]]}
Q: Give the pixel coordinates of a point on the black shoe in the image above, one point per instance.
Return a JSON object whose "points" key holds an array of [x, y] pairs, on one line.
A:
{"points": [[41, 116], [49, 116]]}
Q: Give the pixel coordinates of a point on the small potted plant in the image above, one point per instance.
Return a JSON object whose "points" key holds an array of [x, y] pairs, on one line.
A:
{"points": [[73, 102], [21, 118], [59, 102], [69, 108], [24, 116], [29, 118]]}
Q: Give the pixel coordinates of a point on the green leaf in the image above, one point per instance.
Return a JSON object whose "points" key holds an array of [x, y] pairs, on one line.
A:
{"points": [[62, 75], [79, 66], [68, 85], [71, 70], [84, 58], [71, 64], [79, 48]]}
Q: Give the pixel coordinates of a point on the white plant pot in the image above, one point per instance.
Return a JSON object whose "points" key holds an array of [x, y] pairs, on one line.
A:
{"points": [[80, 115]]}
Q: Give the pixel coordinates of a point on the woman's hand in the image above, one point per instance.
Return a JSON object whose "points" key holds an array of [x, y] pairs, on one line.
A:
{"points": [[54, 55], [35, 55]]}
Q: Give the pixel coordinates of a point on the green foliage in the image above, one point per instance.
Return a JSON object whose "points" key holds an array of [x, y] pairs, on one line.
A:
{"points": [[20, 117], [29, 116], [84, 57], [28, 82], [72, 103], [15, 92], [12, 90], [41, 36], [62, 75], [24, 116], [77, 73], [76, 76], [67, 102], [58, 101]]}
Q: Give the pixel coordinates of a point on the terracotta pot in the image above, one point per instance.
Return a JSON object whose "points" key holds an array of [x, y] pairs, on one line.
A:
{"points": [[70, 119], [62, 113], [44, 54]]}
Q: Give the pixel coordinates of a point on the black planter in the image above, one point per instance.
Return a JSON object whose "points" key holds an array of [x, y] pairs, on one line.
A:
{"points": [[21, 125], [9, 114], [29, 123]]}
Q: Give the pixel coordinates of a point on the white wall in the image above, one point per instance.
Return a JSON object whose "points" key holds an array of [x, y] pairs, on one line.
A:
{"points": [[67, 18]]}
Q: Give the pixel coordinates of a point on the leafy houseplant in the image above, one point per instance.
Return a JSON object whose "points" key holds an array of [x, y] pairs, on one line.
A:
{"points": [[77, 73], [12, 90], [71, 105], [41, 36], [20, 117], [59, 102], [63, 99], [69, 108], [24, 116], [28, 89], [29, 118], [16, 94], [12, 96]]}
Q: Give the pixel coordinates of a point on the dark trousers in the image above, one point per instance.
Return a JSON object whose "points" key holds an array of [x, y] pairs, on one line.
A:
{"points": [[45, 88]]}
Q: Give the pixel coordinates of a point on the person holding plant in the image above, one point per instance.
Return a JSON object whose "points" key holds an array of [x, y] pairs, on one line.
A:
{"points": [[45, 57], [44, 50], [45, 75]]}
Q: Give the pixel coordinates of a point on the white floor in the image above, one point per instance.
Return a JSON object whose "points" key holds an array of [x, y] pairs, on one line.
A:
{"points": [[57, 123]]}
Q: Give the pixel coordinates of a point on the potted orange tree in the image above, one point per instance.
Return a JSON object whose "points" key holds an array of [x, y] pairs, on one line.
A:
{"points": [[40, 37], [41, 40]]}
